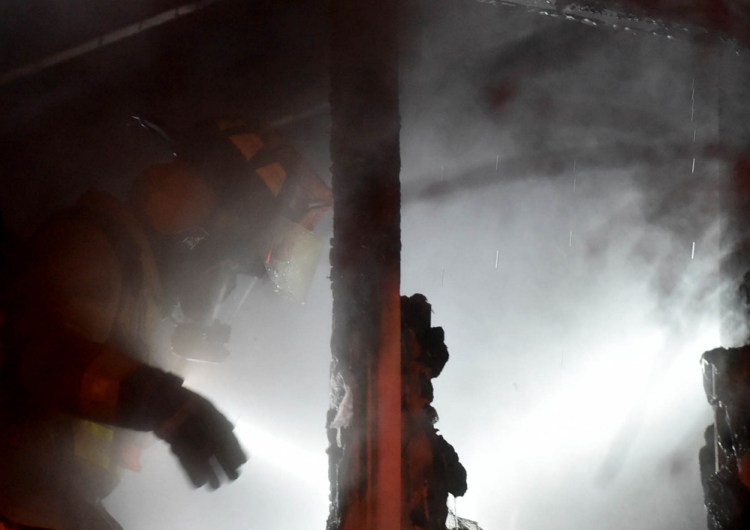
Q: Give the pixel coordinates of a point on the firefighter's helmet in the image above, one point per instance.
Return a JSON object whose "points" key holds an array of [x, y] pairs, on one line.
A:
{"points": [[237, 198]]}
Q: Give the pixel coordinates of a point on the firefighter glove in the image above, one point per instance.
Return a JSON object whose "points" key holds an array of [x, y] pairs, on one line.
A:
{"points": [[203, 441]]}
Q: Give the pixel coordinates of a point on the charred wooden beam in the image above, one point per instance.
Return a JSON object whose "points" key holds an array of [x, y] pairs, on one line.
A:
{"points": [[365, 265], [734, 136], [693, 19]]}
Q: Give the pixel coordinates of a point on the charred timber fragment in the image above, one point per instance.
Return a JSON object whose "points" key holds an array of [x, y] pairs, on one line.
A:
{"points": [[725, 458], [692, 19], [431, 466]]}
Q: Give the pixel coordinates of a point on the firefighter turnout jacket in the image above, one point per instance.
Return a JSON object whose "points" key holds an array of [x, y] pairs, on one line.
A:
{"points": [[81, 322]]}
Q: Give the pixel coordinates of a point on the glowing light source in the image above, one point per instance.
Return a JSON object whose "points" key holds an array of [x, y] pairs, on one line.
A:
{"points": [[583, 414], [308, 466]]}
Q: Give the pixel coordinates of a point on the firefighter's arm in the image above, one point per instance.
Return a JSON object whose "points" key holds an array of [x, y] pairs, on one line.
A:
{"points": [[68, 363], [198, 434], [95, 382]]}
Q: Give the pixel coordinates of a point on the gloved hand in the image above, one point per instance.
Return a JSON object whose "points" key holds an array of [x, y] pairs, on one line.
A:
{"points": [[199, 435], [203, 441]]}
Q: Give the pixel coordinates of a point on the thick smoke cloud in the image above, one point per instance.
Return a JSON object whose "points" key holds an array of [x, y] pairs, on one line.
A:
{"points": [[570, 247]]}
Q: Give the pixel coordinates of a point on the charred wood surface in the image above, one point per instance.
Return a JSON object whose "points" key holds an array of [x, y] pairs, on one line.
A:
{"points": [[365, 263]]}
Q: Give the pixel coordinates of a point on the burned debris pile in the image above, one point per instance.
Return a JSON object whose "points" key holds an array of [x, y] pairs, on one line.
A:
{"points": [[430, 469], [725, 458], [431, 466]]}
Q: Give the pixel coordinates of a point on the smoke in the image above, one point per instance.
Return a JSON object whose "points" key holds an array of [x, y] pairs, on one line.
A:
{"points": [[274, 388], [566, 368], [560, 213], [569, 245], [562, 218]]}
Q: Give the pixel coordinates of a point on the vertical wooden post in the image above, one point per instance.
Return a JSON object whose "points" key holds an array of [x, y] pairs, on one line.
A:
{"points": [[365, 260], [734, 135]]}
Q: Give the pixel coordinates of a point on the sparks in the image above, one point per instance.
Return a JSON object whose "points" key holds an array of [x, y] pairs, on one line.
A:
{"points": [[693, 170], [692, 253], [497, 257]]}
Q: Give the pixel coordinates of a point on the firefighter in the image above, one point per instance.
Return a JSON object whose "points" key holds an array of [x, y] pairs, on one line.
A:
{"points": [[81, 356]]}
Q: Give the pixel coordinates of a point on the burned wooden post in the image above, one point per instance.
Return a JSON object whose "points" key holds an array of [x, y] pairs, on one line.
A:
{"points": [[725, 458], [365, 267], [734, 136]]}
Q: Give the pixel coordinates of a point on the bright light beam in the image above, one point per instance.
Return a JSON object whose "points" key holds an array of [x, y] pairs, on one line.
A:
{"points": [[308, 466]]}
